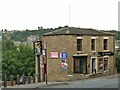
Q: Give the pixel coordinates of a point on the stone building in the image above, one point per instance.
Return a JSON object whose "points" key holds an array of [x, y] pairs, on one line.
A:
{"points": [[77, 53]]}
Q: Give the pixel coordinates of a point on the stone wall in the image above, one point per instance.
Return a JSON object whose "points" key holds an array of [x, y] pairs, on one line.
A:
{"points": [[68, 44]]}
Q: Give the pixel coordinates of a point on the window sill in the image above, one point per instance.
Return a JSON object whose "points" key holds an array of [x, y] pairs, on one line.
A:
{"points": [[79, 51], [105, 50], [93, 51]]}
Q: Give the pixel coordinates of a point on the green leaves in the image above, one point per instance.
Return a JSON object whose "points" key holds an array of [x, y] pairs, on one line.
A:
{"points": [[118, 62], [17, 61]]}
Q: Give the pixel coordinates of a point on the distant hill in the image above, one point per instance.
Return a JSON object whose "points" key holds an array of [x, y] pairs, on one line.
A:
{"points": [[22, 35]]}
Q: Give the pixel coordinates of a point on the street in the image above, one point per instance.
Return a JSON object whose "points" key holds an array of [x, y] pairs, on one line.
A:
{"points": [[99, 82], [110, 81]]}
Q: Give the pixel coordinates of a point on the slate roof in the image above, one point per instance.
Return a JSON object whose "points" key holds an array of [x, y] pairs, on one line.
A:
{"points": [[77, 31]]}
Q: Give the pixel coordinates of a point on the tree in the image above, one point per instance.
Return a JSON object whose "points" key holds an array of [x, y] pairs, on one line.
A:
{"points": [[17, 60], [26, 57], [118, 62]]}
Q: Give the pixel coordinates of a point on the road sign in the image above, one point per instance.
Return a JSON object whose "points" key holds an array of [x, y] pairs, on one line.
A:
{"points": [[64, 56], [64, 66]]}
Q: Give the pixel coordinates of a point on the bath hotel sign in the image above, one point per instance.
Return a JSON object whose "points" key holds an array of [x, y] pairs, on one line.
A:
{"points": [[105, 53]]}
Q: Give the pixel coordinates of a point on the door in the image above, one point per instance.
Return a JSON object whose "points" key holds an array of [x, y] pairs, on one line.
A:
{"points": [[83, 65], [93, 65], [80, 65], [76, 65]]}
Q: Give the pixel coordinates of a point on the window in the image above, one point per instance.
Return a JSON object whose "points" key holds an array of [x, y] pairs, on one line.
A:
{"points": [[105, 44], [105, 63], [93, 44], [100, 64], [79, 44]]}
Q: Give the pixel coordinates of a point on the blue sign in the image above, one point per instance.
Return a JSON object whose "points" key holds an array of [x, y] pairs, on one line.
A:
{"points": [[64, 56]]}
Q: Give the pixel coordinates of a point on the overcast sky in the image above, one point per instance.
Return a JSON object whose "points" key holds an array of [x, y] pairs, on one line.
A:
{"points": [[29, 14]]}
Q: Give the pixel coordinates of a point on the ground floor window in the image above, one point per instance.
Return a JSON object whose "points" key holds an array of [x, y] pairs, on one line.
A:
{"points": [[100, 64], [80, 65], [105, 63]]}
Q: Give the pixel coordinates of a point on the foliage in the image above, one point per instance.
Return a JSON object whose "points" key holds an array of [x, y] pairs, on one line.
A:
{"points": [[117, 34], [17, 60], [118, 62], [22, 35]]}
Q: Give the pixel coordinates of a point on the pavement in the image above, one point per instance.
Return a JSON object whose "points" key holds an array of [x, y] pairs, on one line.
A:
{"points": [[43, 84], [35, 85]]}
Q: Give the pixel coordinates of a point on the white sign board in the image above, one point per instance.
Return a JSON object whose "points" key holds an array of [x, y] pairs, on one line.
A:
{"points": [[54, 54], [43, 52]]}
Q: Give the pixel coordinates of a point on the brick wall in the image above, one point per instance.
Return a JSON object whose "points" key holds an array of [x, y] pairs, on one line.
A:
{"points": [[68, 43], [60, 43]]}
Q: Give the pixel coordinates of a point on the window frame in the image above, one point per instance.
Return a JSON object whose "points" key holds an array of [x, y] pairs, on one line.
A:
{"points": [[93, 45], [79, 45], [105, 44]]}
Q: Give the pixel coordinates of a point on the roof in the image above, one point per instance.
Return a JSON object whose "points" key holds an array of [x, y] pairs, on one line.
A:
{"points": [[77, 31]]}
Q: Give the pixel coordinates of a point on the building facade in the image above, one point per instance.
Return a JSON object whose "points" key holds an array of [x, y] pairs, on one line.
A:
{"points": [[76, 53]]}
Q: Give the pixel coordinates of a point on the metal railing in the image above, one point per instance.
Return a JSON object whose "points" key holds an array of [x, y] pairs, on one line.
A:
{"points": [[18, 80]]}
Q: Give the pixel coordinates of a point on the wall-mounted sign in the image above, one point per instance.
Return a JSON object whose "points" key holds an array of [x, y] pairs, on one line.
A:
{"points": [[64, 66], [105, 53], [64, 56], [54, 54], [44, 52], [38, 47]]}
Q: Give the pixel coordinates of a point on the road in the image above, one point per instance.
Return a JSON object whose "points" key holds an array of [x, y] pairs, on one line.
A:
{"points": [[100, 82]]}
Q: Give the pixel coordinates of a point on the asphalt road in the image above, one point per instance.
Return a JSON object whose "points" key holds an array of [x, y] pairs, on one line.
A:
{"points": [[101, 82]]}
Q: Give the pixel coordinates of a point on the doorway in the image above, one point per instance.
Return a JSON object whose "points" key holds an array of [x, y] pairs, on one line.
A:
{"points": [[80, 65], [93, 65]]}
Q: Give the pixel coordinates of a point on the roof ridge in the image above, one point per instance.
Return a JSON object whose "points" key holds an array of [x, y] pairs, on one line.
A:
{"points": [[55, 31], [77, 31]]}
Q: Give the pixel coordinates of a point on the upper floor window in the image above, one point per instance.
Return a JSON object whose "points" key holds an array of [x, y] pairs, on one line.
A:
{"points": [[79, 44], [105, 44], [93, 44]]}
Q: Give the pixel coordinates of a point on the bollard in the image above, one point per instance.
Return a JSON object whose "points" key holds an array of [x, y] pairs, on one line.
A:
{"points": [[11, 79], [5, 81], [39, 77], [28, 78], [18, 82], [24, 79], [33, 78]]}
